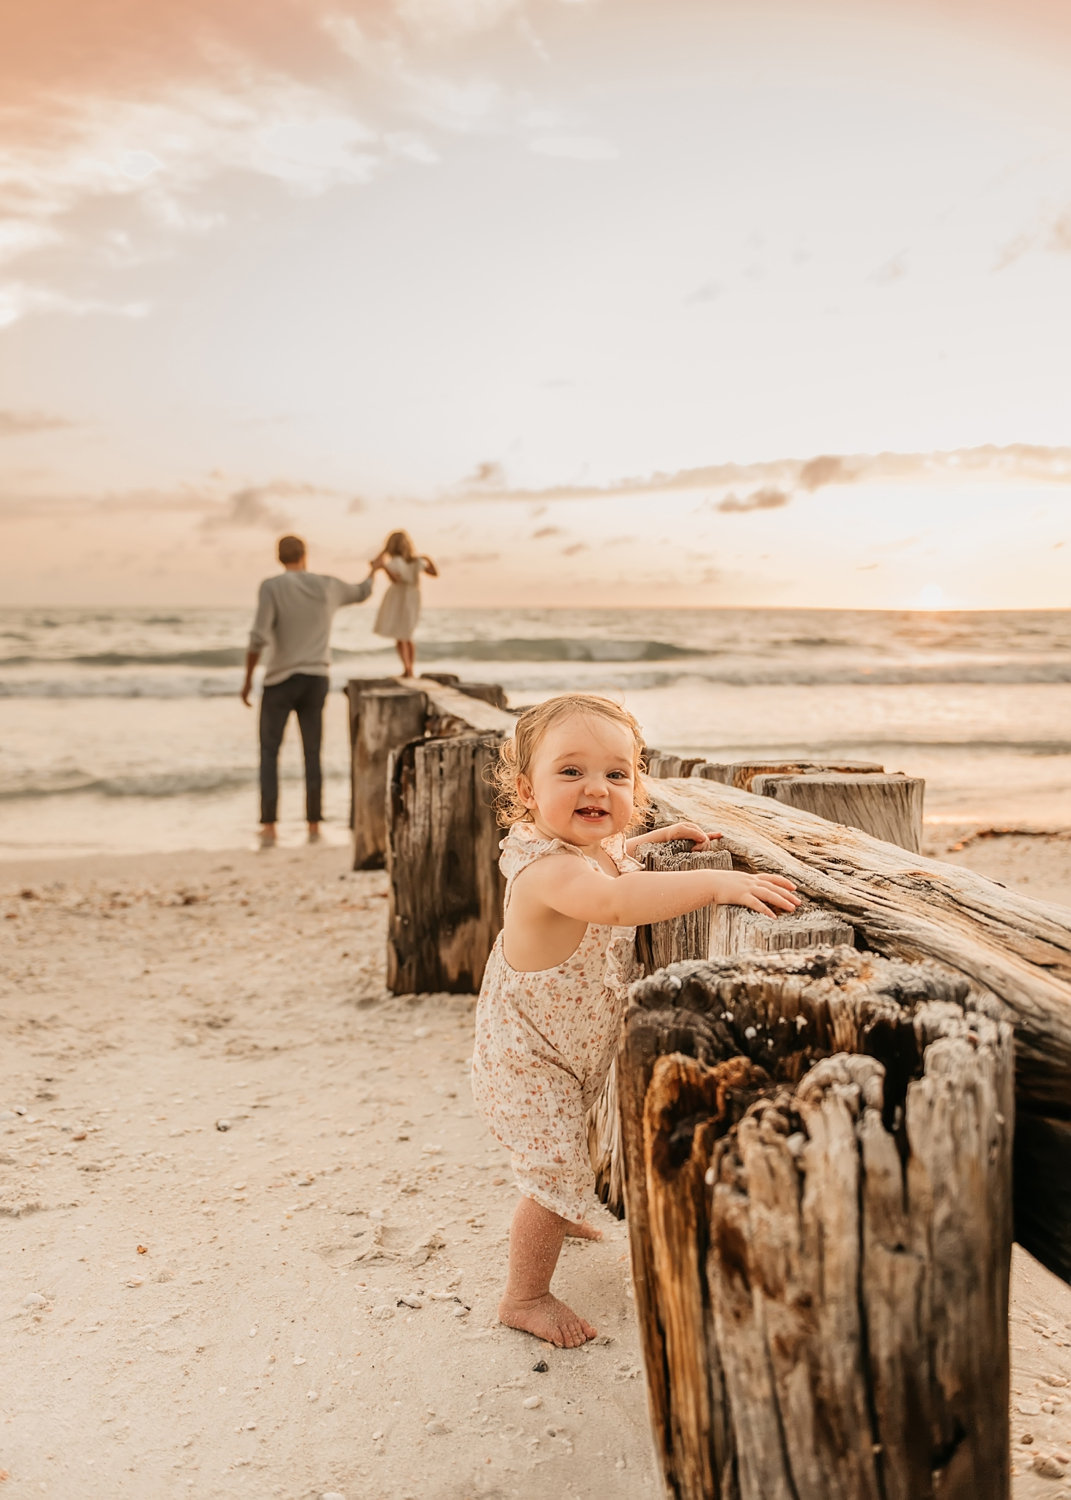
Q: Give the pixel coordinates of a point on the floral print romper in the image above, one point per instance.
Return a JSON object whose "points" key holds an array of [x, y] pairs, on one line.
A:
{"points": [[545, 1040]]}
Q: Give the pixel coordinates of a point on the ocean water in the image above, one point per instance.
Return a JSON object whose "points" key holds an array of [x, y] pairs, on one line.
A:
{"points": [[122, 729]]}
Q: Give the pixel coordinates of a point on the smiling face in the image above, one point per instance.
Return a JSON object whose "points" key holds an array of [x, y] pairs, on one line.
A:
{"points": [[581, 781]]}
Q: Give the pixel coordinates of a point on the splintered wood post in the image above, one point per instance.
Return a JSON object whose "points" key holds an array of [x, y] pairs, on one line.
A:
{"points": [[661, 763], [388, 718], [886, 807], [657, 944], [818, 1179], [662, 943], [1014, 950], [445, 887], [742, 773], [356, 688], [489, 692], [735, 929], [723, 930]]}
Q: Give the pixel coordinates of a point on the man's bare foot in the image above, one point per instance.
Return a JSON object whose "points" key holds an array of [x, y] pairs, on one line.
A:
{"points": [[267, 836], [548, 1319], [582, 1230]]}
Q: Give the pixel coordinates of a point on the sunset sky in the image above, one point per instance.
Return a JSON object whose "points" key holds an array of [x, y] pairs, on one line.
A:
{"points": [[578, 291]]}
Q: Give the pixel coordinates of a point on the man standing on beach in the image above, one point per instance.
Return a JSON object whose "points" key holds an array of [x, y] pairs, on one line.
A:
{"points": [[294, 613]]}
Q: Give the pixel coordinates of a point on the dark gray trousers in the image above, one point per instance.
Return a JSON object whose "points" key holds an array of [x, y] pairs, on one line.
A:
{"points": [[305, 695]]}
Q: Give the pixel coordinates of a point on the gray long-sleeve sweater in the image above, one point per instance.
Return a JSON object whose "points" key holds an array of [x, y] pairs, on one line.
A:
{"points": [[293, 621]]}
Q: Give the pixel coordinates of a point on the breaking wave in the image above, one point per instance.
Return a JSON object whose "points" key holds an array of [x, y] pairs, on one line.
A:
{"points": [[205, 782]]}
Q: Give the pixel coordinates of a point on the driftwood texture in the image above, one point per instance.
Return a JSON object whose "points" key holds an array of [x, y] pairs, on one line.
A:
{"points": [[356, 688], [446, 890], [662, 943], [385, 713], [735, 929], [886, 807], [387, 718], [1015, 952], [453, 710], [741, 773], [490, 692], [726, 930], [818, 1152], [658, 944]]}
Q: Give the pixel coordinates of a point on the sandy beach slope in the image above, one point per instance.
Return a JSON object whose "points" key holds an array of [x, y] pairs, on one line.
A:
{"points": [[252, 1233]]}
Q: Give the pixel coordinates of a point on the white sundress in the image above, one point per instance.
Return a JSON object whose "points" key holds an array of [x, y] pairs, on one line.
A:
{"points": [[399, 609], [545, 1041]]}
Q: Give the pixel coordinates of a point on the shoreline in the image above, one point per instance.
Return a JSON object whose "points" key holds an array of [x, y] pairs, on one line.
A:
{"points": [[254, 1232]]}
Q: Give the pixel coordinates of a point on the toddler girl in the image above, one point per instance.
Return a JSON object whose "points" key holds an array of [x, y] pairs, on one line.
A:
{"points": [[400, 609], [553, 993]]}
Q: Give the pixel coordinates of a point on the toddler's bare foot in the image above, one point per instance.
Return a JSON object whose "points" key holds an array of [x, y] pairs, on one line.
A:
{"points": [[548, 1319], [582, 1230]]}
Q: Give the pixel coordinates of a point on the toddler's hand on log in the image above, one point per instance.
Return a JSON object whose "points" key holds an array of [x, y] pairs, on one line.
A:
{"points": [[685, 830], [768, 894]]}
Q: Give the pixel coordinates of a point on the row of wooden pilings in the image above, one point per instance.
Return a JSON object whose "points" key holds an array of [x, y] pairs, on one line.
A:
{"points": [[809, 1125]]}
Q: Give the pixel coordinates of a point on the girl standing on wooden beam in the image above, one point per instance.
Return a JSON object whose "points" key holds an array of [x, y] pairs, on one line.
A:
{"points": [[554, 989], [400, 607]]}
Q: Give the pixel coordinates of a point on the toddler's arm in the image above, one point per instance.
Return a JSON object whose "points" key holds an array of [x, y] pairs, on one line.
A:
{"points": [[674, 831], [564, 885]]}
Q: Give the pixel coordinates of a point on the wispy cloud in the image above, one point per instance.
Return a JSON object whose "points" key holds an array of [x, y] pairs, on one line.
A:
{"points": [[489, 475], [19, 298], [768, 498], [1026, 461], [1051, 233], [21, 423], [827, 468], [257, 505], [118, 143]]}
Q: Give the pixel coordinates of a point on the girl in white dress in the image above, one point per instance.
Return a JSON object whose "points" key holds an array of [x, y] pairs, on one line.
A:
{"points": [[554, 990], [400, 606]]}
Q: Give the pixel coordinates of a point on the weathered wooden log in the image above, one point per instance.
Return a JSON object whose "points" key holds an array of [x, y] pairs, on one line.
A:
{"points": [[356, 688], [735, 929], [453, 710], [389, 716], [662, 943], [818, 1177], [657, 944], [382, 720], [604, 1146], [662, 763], [886, 807], [490, 692], [722, 930], [1014, 950], [446, 890], [741, 773]]}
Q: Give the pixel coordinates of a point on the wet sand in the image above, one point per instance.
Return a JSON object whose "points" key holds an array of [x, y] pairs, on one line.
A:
{"points": [[252, 1232]]}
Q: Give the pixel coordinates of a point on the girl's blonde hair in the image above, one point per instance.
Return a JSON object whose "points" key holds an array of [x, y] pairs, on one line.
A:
{"points": [[399, 544], [516, 754]]}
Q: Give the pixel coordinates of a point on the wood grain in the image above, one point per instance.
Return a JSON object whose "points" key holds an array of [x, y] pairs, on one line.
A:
{"points": [[818, 1188]]}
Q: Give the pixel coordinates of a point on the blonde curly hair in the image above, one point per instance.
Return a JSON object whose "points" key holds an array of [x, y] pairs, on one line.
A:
{"points": [[516, 753]]}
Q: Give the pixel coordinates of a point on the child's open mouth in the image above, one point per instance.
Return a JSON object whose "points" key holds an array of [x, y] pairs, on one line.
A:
{"points": [[591, 814]]}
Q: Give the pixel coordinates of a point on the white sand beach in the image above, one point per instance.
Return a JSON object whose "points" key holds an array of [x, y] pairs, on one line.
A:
{"points": [[252, 1232]]}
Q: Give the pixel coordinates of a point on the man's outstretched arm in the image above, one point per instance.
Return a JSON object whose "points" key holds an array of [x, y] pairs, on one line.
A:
{"points": [[355, 593]]}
